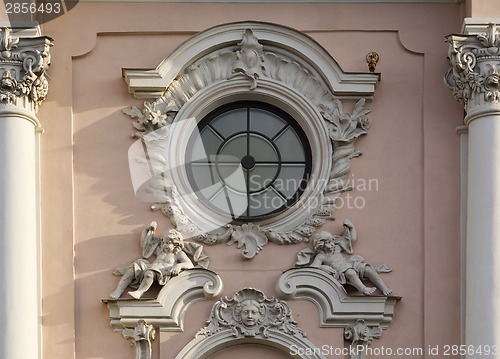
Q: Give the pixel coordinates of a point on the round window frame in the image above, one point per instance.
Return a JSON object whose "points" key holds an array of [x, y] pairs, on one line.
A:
{"points": [[274, 93], [279, 113]]}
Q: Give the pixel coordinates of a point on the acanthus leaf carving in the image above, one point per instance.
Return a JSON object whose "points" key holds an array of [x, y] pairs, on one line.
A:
{"points": [[251, 236], [474, 72], [361, 334], [249, 59], [24, 67]]}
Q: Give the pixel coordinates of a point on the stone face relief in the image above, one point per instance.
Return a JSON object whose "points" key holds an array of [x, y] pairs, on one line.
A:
{"points": [[249, 313], [330, 254], [171, 257]]}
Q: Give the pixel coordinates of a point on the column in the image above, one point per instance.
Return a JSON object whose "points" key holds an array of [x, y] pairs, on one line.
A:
{"points": [[24, 58], [475, 80]]}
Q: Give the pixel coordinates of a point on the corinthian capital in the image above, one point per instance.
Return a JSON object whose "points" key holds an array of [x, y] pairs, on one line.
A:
{"points": [[24, 60], [475, 59]]}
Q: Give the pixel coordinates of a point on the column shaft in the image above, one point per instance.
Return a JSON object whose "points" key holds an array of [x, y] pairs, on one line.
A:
{"points": [[24, 60], [19, 298], [475, 80], [483, 234]]}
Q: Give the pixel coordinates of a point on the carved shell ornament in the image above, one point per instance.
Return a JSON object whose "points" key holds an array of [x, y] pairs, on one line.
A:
{"points": [[250, 60]]}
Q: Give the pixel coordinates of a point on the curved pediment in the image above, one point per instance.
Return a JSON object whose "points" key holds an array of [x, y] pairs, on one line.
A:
{"points": [[337, 308], [279, 40], [166, 311]]}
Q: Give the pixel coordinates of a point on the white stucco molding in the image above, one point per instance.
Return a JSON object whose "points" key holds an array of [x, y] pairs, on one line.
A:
{"points": [[202, 348], [141, 337], [24, 61], [249, 61], [250, 318], [152, 83], [337, 309], [166, 311], [474, 75], [476, 26]]}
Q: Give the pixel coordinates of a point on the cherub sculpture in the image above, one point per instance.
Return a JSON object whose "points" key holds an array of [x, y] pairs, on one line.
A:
{"points": [[328, 252], [171, 259]]}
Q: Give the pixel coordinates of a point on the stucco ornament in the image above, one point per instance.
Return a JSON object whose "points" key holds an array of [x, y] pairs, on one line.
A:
{"points": [[250, 236], [248, 59], [25, 62], [361, 335], [141, 337], [249, 313], [474, 76], [328, 253], [172, 255], [250, 318]]}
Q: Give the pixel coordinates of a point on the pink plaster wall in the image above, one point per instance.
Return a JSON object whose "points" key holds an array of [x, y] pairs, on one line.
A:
{"points": [[92, 220], [482, 8]]}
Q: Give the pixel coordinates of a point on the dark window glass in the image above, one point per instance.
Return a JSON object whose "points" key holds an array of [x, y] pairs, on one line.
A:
{"points": [[249, 160]]}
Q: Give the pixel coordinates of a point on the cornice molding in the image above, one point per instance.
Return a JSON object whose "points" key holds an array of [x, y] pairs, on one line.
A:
{"points": [[152, 83]]}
